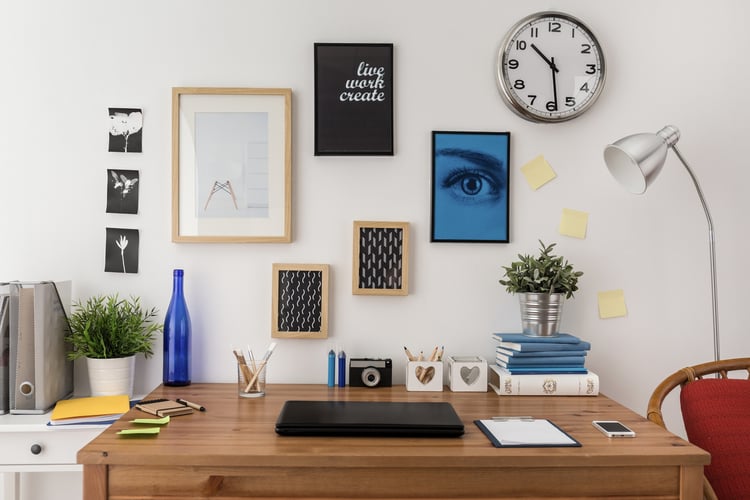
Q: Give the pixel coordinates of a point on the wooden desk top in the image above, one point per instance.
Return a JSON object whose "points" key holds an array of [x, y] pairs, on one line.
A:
{"points": [[237, 432]]}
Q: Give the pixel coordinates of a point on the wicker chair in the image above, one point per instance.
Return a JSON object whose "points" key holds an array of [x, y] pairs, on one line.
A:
{"points": [[706, 408]]}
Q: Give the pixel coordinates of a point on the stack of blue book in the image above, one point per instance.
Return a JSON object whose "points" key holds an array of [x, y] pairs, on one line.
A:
{"points": [[517, 353]]}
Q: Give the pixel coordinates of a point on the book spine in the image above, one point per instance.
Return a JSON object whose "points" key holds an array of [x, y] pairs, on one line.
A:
{"points": [[505, 384], [541, 361]]}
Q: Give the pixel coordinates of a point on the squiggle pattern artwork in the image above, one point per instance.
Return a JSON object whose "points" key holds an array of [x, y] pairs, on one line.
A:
{"points": [[300, 301]]}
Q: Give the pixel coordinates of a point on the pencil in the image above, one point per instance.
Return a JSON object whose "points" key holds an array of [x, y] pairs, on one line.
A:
{"points": [[255, 377], [246, 373], [433, 355], [409, 355]]}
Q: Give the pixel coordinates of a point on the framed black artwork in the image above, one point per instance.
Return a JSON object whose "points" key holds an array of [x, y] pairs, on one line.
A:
{"points": [[380, 258], [470, 186], [300, 301], [353, 99]]}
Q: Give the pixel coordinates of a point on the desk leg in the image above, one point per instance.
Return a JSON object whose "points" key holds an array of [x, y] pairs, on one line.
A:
{"points": [[691, 482], [95, 482], [10, 486]]}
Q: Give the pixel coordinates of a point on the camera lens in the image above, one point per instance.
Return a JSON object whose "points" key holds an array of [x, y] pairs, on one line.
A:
{"points": [[370, 376]]}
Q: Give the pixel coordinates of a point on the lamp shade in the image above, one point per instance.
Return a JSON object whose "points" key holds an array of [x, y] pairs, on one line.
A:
{"points": [[635, 161]]}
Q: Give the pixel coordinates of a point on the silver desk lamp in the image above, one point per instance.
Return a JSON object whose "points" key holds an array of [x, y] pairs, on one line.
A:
{"points": [[635, 161]]}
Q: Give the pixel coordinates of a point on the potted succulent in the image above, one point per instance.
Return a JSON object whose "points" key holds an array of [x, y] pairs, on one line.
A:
{"points": [[542, 283], [109, 331]]}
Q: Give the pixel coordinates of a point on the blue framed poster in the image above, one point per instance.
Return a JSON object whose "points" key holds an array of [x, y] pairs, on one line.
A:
{"points": [[353, 99], [470, 187]]}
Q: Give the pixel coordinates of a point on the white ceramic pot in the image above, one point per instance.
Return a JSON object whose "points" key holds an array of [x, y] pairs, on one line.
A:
{"points": [[110, 377]]}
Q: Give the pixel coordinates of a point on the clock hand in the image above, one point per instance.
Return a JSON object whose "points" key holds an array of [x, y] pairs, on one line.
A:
{"points": [[551, 62], [554, 80]]}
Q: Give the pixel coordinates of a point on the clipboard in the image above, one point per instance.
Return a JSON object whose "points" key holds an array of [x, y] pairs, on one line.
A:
{"points": [[525, 433]]}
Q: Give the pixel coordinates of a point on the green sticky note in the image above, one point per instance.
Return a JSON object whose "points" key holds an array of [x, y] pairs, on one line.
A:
{"points": [[152, 421], [140, 431]]}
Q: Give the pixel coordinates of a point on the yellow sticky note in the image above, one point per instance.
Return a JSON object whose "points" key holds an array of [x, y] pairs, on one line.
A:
{"points": [[141, 431], [152, 421], [573, 223], [538, 172], [612, 304]]}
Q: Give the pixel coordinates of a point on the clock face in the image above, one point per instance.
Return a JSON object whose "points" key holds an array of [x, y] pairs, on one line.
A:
{"points": [[550, 67]]}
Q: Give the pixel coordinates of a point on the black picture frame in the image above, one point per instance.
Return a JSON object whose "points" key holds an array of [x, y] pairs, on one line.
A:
{"points": [[353, 99], [470, 187]]}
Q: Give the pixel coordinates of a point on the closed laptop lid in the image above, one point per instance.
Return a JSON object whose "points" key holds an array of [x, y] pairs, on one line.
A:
{"points": [[368, 418]]}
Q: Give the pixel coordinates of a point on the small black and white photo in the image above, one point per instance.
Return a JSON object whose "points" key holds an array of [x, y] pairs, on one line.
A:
{"points": [[121, 254], [125, 130], [122, 191]]}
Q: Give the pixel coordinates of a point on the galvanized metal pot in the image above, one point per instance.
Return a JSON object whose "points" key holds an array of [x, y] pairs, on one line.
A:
{"points": [[541, 313]]}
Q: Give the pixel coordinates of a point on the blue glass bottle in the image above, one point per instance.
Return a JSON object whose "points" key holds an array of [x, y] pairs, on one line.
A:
{"points": [[177, 336]]}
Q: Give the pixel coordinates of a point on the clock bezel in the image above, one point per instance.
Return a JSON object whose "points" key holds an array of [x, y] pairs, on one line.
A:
{"points": [[520, 108]]}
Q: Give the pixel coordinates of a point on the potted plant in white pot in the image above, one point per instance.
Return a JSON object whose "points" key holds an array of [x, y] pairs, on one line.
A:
{"points": [[109, 331], [542, 283]]}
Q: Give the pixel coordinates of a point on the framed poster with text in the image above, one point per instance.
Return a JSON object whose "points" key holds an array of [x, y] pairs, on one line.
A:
{"points": [[353, 99]]}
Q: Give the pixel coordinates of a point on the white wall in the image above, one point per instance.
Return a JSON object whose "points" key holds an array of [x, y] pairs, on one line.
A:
{"points": [[669, 62]]}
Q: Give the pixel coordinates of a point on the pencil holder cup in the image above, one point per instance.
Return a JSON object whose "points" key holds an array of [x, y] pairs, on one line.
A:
{"points": [[251, 383], [424, 376], [467, 374]]}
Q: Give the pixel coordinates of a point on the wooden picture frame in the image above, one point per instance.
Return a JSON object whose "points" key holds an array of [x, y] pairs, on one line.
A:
{"points": [[231, 165], [470, 187], [300, 301], [380, 258], [353, 99]]}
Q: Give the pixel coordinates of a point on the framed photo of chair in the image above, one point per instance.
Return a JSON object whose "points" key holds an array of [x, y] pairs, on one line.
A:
{"points": [[231, 165]]}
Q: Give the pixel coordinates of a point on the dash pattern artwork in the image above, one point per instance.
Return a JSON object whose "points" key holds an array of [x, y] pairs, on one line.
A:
{"points": [[381, 258]]}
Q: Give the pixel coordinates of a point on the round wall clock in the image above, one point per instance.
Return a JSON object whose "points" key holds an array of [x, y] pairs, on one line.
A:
{"points": [[550, 67]]}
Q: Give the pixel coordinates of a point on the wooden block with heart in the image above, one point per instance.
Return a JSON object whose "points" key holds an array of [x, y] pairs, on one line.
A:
{"points": [[424, 376], [467, 374]]}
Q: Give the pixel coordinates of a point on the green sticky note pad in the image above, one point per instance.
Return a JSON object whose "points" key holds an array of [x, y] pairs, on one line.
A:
{"points": [[151, 421], [141, 431]]}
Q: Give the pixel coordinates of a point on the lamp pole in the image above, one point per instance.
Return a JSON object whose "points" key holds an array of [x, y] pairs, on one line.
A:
{"points": [[712, 245]]}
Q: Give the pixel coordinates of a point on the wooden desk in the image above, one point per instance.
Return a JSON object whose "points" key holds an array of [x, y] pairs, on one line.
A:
{"points": [[232, 451]]}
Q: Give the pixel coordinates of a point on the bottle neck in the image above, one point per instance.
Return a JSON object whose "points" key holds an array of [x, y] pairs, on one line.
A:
{"points": [[177, 285]]}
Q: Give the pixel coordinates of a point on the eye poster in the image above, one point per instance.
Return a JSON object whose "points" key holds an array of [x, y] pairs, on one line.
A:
{"points": [[470, 186], [353, 99]]}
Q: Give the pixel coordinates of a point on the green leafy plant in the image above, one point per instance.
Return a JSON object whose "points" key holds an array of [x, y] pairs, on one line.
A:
{"points": [[111, 327], [544, 273]]}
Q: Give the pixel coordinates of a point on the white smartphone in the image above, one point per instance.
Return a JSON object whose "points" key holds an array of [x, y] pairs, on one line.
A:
{"points": [[613, 428]]}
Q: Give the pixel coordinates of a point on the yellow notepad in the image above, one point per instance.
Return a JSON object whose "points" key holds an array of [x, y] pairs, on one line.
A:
{"points": [[90, 407]]}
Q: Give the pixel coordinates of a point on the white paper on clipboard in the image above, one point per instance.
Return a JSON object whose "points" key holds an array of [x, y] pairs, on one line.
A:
{"points": [[525, 432]]}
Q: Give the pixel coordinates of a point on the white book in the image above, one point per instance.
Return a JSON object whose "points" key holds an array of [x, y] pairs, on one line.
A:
{"points": [[563, 384]]}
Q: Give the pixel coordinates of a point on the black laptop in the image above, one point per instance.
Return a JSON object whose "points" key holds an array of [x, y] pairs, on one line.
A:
{"points": [[368, 418]]}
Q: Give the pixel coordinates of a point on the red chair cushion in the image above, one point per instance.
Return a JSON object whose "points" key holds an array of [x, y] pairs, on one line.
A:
{"points": [[716, 413]]}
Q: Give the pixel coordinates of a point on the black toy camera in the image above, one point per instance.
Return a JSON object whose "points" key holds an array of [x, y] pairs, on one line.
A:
{"points": [[367, 372]]}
